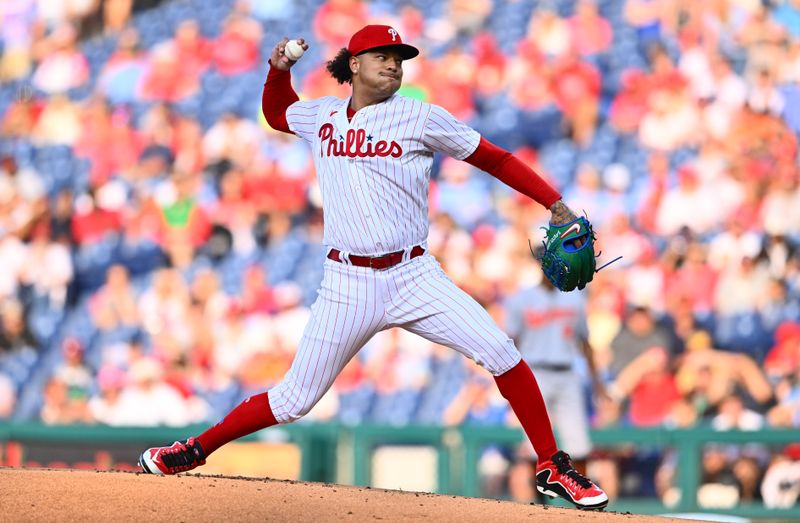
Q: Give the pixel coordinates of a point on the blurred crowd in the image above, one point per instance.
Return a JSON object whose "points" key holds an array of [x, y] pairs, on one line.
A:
{"points": [[161, 245]]}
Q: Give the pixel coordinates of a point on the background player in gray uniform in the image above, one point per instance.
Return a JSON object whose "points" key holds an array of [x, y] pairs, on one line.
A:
{"points": [[549, 329]]}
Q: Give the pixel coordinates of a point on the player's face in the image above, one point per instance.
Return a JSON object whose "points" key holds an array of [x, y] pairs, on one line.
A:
{"points": [[380, 71]]}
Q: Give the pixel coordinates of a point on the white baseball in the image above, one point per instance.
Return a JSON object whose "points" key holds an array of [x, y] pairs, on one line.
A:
{"points": [[293, 50]]}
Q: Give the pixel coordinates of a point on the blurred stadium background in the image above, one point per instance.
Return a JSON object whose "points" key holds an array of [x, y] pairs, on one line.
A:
{"points": [[160, 245]]}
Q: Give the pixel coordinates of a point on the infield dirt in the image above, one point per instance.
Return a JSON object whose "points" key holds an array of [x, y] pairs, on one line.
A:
{"points": [[87, 496]]}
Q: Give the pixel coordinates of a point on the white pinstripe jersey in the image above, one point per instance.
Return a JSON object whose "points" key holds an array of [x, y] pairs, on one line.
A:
{"points": [[374, 171]]}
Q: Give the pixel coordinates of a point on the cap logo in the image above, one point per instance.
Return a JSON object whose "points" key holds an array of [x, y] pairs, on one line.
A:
{"points": [[393, 33]]}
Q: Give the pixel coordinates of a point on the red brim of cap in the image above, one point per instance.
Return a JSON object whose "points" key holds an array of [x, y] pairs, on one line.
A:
{"points": [[407, 52]]}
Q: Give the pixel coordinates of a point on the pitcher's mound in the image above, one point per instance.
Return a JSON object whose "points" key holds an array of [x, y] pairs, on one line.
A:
{"points": [[73, 495]]}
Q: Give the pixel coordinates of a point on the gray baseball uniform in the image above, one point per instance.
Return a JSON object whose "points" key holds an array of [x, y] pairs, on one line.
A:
{"points": [[547, 326]]}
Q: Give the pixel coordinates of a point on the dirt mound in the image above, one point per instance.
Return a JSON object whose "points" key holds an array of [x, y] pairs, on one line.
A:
{"points": [[72, 495]]}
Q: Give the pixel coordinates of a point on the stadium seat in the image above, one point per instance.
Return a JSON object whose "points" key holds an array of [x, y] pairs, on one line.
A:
{"points": [[743, 332]]}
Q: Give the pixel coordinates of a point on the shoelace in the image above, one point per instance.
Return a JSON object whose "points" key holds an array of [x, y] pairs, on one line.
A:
{"points": [[181, 457], [564, 466]]}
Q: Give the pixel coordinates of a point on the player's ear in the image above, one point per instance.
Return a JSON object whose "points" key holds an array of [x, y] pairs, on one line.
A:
{"points": [[354, 64]]}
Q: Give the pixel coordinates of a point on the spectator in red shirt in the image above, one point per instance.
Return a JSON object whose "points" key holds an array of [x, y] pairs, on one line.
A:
{"points": [[192, 50], [336, 20], [20, 117], [694, 280], [491, 65], [108, 141], [783, 358], [187, 145], [270, 191], [454, 79], [257, 296], [576, 87], [91, 223], [590, 33], [236, 50], [650, 386], [412, 23], [234, 211], [319, 83], [664, 74], [164, 80], [529, 78], [630, 103]]}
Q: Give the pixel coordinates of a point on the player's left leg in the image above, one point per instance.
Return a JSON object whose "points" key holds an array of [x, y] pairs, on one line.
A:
{"points": [[425, 301]]}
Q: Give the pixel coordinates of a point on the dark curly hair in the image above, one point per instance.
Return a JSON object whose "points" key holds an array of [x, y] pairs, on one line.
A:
{"points": [[339, 67]]}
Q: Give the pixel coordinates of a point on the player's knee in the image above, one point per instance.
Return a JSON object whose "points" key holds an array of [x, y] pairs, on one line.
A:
{"points": [[298, 411], [299, 403], [499, 357]]}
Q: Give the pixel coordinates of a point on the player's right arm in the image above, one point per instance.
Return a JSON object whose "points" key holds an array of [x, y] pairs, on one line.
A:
{"points": [[278, 93]]}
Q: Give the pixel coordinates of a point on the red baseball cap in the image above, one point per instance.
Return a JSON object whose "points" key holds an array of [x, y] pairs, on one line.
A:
{"points": [[374, 36]]}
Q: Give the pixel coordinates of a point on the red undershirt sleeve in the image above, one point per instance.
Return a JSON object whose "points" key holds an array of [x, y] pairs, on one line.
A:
{"points": [[278, 95], [513, 172]]}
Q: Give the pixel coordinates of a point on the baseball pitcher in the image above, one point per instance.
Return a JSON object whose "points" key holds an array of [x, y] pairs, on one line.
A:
{"points": [[373, 154]]}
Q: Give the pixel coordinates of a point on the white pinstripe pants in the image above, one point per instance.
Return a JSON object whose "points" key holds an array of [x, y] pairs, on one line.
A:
{"points": [[354, 303]]}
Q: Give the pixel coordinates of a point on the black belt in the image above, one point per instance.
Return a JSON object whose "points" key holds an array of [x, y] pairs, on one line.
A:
{"points": [[552, 367], [377, 262]]}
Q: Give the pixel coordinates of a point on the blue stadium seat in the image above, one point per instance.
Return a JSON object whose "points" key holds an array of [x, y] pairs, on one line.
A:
{"points": [[395, 409], [77, 323], [142, 257], [231, 268], [682, 156], [17, 365], [92, 261], [743, 332], [448, 376], [79, 182], [355, 405], [222, 401], [309, 272], [559, 160], [44, 321]]}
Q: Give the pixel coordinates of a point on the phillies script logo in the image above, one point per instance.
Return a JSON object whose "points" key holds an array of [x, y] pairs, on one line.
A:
{"points": [[355, 145]]}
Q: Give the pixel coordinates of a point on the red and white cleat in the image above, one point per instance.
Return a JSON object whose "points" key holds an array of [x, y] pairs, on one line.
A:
{"points": [[181, 456], [556, 477]]}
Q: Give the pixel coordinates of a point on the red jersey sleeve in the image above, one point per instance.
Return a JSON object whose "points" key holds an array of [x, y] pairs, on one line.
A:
{"points": [[513, 172]]}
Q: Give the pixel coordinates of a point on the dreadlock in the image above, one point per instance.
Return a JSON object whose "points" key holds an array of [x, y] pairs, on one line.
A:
{"points": [[339, 67]]}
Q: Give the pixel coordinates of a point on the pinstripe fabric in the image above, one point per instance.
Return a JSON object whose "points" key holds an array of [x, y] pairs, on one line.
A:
{"points": [[425, 301], [354, 303], [348, 312], [376, 196]]}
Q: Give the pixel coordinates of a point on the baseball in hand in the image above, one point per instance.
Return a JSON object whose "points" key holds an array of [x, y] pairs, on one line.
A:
{"points": [[293, 50]]}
